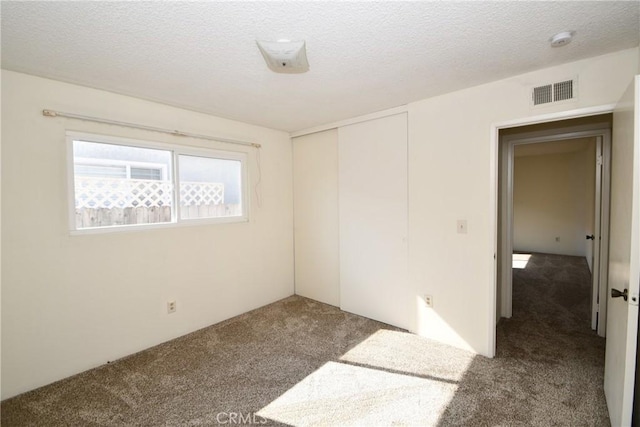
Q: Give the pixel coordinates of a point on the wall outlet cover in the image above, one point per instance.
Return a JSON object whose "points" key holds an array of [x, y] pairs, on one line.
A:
{"points": [[171, 307], [428, 300]]}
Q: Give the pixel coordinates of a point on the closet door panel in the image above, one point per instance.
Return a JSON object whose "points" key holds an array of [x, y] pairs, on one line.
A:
{"points": [[315, 207], [373, 219]]}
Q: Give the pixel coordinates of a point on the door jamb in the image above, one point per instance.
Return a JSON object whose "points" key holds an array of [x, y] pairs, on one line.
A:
{"points": [[493, 194]]}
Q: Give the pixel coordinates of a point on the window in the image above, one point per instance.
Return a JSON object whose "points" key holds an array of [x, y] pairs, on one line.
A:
{"points": [[209, 187], [119, 184]]}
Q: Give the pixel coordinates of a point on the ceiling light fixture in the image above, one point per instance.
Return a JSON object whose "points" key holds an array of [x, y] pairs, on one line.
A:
{"points": [[561, 39], [285, 56]]}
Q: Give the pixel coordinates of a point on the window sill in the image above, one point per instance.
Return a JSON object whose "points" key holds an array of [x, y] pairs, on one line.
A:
{"points": [[159, 226]]}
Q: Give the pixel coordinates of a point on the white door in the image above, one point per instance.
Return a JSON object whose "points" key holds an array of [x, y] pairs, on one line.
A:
{"points": [[373, 219], [624, 258]]}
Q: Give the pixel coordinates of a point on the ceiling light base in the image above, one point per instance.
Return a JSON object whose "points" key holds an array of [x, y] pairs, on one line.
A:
{"points": [[285, 56]]}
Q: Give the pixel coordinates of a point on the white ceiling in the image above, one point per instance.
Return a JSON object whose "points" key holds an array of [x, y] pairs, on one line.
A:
{"points": [[364, 56]]}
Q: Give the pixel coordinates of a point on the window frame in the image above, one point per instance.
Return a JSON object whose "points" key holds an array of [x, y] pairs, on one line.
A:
{"points": [[173, 172]]}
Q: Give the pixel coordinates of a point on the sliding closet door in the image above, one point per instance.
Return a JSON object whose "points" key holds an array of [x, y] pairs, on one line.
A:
{"points": [[373, 219], [315, 216]]}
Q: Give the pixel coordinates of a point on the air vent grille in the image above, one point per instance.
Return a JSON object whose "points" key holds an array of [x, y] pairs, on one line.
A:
{"points": [[553, 92], [542, 95], [563, 90]]}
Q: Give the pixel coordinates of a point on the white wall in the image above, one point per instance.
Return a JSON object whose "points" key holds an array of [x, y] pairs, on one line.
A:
{"points": [[315, 195], [73, 303], [550, 194], [451, 178]]}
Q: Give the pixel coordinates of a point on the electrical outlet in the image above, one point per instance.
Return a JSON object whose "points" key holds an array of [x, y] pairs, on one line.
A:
{"points": [[428, 300], [171, 307]]}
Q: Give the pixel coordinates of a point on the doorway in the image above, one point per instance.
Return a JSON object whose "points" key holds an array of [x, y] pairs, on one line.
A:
{"points": [[553, 139], [623, 248]]}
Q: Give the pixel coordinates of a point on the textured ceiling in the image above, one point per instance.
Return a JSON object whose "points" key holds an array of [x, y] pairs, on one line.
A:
{"points": [[364, 56]]}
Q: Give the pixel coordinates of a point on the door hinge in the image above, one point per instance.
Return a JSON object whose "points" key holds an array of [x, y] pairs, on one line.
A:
{"points": [[599, 160]]}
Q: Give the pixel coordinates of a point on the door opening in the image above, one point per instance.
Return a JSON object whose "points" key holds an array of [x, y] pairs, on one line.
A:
{"points": [[623, 247], [556, 137]]}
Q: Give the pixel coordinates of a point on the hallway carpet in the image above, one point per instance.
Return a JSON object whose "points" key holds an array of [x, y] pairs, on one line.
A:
{"points": [[303, 363]]}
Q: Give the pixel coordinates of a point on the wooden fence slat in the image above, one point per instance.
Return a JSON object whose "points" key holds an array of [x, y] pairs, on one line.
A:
{"points": [[105, 217]]}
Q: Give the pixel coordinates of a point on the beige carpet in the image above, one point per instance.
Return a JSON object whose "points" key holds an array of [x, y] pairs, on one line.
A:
{"points": [[299, 362]]}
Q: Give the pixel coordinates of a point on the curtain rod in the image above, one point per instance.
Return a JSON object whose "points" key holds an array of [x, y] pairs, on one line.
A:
{"points": [[52, 113]]}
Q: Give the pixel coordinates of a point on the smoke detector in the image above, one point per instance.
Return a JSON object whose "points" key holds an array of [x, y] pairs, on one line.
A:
{"points": [[285, 56], [561, 39]]}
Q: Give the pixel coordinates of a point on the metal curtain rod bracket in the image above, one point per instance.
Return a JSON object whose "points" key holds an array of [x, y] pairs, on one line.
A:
{"points": [[52, 113]]}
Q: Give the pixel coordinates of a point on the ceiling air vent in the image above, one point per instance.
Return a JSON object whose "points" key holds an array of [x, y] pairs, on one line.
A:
{"points": [[554, 92]]}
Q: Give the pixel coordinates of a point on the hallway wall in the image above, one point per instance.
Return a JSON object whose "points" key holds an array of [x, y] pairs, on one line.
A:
{"points": [[553, 196]]}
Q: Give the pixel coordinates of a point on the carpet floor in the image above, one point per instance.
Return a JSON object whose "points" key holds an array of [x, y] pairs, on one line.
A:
{"points": [[302, 363]]}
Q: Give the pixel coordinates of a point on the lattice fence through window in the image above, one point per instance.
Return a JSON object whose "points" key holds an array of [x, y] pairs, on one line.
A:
{"points": [[201, 193], [92, 192]]}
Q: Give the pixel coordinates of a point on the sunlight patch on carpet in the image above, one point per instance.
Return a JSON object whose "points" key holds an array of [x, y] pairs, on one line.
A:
{"points": [[341, 394], [404, 352], [520, 261], [391, 378]]}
